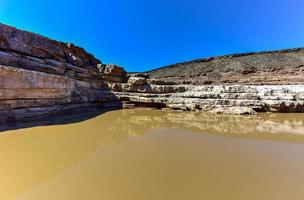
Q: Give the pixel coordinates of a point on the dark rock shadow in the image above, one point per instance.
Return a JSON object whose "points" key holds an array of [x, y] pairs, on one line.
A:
{"points": [[59, 118]]}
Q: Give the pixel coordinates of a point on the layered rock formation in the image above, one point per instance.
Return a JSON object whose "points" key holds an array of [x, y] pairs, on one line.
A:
{"points": [[40, 76], [223, 99]]}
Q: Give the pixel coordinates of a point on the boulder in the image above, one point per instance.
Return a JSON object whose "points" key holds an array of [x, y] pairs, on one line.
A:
{"points": [[137, 81], [113, 70], [112, 73]]}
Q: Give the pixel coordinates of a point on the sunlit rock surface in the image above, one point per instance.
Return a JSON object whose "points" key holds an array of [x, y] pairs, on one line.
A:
{"points": [[39, 76], [275, 98]]}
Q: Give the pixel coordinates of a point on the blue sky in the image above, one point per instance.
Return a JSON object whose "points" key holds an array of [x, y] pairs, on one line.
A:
{"points": [[146, 34]]}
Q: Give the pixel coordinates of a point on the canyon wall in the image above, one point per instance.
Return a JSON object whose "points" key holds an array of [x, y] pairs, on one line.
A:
{"points": [[40, 76]]}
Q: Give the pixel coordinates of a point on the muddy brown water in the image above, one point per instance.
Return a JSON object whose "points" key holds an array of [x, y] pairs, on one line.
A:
{"points": [[144, 154]]}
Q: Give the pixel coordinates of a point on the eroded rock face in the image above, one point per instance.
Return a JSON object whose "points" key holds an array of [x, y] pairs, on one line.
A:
{"points": [[39, 76], [112, 73], [222, 99], [26, 43]]}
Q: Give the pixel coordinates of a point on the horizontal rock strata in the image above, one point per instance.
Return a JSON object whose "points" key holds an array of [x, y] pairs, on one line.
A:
{"points": [[25, 93], [39, 76], [225, 99]]}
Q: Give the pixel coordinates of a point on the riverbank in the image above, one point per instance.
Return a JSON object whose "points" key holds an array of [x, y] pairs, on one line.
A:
{"points": [[221, 99]]}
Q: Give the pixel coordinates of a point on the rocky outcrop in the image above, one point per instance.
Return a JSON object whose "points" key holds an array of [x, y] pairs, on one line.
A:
{"points": [[283, 67], [138, 89], [39, 76], [112, 73], [137, 81], [222, 99]]}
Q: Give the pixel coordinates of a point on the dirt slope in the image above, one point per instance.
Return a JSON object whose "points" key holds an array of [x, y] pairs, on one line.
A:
{"points": [[272, 67]]}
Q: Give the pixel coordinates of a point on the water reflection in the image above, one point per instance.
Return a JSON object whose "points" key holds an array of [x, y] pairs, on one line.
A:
{"points": [[136, 122], [272, 126], [121, 150]]}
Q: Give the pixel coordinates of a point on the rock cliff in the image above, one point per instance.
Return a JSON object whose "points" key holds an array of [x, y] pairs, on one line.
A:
{"points": [[40, 76]]}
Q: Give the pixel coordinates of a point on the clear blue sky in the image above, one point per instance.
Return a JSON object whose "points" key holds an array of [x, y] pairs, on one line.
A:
{"points": [[146, 34]]}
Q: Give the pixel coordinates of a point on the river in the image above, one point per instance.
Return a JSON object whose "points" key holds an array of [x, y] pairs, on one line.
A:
{"points": [[144, 154]]}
